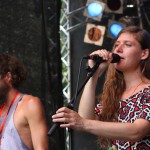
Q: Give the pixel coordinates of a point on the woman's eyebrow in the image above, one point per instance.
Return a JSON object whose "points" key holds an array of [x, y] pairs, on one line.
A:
{"points": [[124, 41]]}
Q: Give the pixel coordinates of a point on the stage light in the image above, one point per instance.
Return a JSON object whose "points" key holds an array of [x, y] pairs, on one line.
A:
{"points": [[130, 3], [114, 28], [94, 34], [114, 6], [94, 9]]}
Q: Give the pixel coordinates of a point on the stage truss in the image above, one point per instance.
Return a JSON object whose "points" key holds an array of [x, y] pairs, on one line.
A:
{"points": [[65, 50], [65, 56]]}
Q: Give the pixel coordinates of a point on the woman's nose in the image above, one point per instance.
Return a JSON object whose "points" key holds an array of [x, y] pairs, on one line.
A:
{"points": [[119, 48]]}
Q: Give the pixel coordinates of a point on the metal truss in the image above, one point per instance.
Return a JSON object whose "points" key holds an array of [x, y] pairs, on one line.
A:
{"points": [[65, 50], [65, 56]]}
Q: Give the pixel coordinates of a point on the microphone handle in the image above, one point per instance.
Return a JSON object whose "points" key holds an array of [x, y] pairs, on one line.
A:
{"points": [[53, 128], [56, 124]]}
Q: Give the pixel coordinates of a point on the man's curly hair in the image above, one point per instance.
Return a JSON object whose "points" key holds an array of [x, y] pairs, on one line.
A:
{"points": [[15, 67]]}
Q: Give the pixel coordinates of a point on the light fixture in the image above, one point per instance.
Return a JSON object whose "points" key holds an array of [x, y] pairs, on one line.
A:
{"points": [[114, 27], [114, 6], [94, 34], [94, 9], [130, 3]]}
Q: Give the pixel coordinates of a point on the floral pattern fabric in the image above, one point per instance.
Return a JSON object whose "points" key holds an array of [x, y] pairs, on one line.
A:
{"points": [[137, 106]]}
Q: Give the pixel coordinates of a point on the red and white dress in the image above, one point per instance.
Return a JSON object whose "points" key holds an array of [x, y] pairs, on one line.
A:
{"points": [[137, 106]]}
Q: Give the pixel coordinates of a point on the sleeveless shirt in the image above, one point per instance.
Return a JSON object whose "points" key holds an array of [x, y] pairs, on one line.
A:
{"points": [[10, 137]]}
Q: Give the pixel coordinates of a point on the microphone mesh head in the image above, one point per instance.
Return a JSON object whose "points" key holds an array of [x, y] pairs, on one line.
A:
{"points": [[116, 58]]}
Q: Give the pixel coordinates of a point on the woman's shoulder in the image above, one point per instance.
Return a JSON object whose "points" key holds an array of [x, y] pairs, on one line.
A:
{"points": [[145, 86], [146, 90]]}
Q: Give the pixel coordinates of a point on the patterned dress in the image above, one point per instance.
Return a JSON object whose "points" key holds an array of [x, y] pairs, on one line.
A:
{"points": [[137, 106]]}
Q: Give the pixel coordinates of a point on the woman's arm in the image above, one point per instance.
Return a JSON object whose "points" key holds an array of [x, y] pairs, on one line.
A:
{"points": [[121, 131], [87, 101]]}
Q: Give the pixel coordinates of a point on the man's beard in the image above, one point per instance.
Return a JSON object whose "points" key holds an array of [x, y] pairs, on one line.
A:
{"points": [[4, 88]]}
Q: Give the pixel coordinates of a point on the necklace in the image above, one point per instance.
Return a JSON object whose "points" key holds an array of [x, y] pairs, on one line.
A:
{"points": [[136, 88]]}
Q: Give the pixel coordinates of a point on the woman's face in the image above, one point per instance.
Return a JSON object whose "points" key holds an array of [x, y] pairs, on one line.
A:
{"points": [[130, 52]]}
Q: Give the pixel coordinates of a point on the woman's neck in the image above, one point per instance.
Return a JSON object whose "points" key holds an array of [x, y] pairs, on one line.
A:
{"points": [[133, 79]]}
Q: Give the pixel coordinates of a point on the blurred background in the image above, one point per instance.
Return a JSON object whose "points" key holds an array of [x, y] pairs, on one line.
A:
{"points": [[51, 36]]}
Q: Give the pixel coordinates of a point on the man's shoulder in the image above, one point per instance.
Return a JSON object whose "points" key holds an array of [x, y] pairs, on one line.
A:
{"points": [[29, 98], [30, 102]]}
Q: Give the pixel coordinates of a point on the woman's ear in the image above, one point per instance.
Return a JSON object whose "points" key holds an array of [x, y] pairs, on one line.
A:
{"points": [[145, 54]]}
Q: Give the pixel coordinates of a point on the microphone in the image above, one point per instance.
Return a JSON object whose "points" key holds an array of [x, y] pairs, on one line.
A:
{"points": [[97, 58], [55, 125], [53, 128]]}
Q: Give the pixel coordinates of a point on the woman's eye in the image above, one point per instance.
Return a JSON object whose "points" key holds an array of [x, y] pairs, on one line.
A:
{"points": [[128, 45], [115, 46]]}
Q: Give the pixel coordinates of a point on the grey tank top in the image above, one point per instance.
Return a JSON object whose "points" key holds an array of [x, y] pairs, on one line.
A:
{"points": [[10, 138]]}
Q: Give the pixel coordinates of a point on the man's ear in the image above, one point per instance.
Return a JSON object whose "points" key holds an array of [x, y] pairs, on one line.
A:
{"points": [[8, 77], [145, 54]]}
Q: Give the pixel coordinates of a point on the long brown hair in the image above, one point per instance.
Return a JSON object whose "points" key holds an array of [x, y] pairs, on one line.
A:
{"points": [[114, 84]]}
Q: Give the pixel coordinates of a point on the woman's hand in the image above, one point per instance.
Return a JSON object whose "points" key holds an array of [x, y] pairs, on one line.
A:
{"points": [[68, 119], [105, 55]]}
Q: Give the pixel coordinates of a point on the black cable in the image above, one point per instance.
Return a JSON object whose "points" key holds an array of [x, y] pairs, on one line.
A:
{"points": [[78, 79]]}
